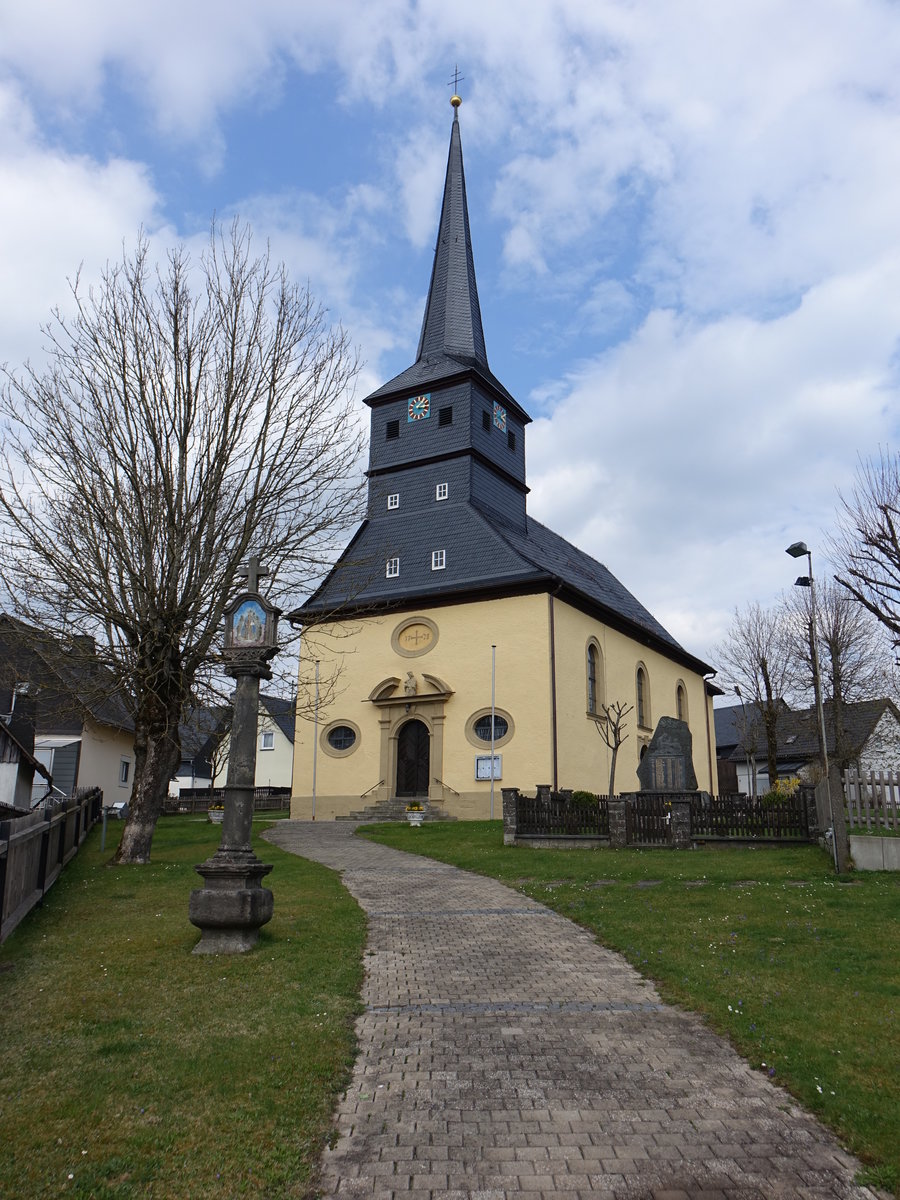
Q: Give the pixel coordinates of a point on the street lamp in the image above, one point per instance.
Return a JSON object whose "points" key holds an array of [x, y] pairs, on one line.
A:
{"points": [[797, 550], [751, 769]]}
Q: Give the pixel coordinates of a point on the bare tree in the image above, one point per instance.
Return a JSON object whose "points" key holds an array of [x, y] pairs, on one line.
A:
{"points": [[188, 417], [756, 657], [612, 729], [853, 653], [866, 545]]}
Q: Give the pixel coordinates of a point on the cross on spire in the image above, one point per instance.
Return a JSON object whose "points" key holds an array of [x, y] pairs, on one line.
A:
{"points": [[454, 82], [253, 572]]}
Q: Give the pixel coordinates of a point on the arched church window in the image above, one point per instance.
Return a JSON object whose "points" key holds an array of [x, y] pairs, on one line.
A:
{"points": [[642, 697]]}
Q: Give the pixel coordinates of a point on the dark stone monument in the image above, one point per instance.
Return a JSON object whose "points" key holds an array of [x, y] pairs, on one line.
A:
{"points": [[668, 764], [232, 905]]}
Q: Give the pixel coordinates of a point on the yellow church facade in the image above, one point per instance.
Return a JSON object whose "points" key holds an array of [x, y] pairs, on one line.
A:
{"points": [[458, 645], [542, 696]]}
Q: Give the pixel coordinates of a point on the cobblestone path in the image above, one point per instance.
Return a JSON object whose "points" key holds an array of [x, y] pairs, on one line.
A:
{"points": [[503, 1053]]}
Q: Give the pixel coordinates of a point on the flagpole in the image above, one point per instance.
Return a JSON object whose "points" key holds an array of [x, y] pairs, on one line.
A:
{"points": [[315, 741], [493, 711]]}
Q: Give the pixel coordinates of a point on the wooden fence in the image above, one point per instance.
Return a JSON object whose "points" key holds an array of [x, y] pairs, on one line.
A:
{"points": [[200, 800], [739, 817], [872, 800], [35, 848], [559, 814], [657, 819]]}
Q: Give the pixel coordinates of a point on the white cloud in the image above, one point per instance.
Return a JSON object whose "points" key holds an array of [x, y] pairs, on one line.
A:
{"points": [[57, 211], [724, 435]]}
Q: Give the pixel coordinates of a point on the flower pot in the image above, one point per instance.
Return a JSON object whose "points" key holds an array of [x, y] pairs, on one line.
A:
{"points": [[415, 818], [216, 816]]}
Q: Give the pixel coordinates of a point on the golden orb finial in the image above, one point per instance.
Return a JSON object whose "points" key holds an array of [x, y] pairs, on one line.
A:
{"points": [[456, 101]]}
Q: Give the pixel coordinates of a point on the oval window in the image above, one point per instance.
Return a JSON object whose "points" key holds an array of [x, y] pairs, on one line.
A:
{"points": [[341, 737], [482, 728]]}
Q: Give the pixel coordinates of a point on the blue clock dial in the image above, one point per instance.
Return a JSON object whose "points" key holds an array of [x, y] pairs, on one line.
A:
{"points": [[500, 417], [419, 407]]}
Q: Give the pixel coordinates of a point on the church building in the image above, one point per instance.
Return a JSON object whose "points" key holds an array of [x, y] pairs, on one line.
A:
{"points": [[451, 603]]}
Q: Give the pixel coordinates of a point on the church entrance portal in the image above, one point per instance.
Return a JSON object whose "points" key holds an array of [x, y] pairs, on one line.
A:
{"points": [[413, 759]]}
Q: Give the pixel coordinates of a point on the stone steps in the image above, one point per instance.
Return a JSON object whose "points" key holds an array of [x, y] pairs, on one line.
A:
{"points": [[394, 809]]}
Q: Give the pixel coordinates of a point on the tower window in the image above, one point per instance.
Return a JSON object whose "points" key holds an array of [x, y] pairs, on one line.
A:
{"points": [[486, 420], [394, 500], [440, 492], [267, 740], [392, 430], [445, 415], [510, 439], [437, 560], [392, 568]]}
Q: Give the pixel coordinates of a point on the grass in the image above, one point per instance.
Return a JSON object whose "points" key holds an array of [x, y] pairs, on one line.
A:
{"points": [[131, 1067], [798, 968]]}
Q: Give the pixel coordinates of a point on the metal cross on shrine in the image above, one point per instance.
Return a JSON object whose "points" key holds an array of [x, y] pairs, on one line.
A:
{"points": [[253, 572]]}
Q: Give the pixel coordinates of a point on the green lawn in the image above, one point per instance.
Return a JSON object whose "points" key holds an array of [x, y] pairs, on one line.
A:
{"points": [[131, 1067], [799, 969]]}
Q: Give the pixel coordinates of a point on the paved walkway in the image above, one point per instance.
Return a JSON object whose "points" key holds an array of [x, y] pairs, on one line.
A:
{"points": [[504, 1053]]}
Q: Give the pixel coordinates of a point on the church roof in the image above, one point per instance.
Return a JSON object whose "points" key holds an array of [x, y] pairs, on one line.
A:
{"points": [[484, 555], [452, 337]]}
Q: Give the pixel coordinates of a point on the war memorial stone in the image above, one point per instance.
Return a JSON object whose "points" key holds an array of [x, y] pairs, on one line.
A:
{"points": [[668, 764]]}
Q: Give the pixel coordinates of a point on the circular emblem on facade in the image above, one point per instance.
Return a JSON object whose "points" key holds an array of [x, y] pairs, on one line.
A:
{"points": [[414, 637]]}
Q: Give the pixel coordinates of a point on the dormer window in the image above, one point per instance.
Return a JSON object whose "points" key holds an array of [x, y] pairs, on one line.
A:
{"points": [[441, 492], [392, 568], [438, 561], [394, 500]]}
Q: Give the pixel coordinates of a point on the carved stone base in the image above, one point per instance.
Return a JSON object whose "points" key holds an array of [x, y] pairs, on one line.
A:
{"points": [[232, 905]]}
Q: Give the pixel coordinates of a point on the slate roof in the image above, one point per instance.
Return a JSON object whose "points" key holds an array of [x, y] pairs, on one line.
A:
{"points": [[72, 682], [484, 554], [452, 337], [282, 712], [797, 729]]}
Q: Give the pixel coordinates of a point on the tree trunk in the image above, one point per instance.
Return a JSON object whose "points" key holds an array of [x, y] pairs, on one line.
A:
{"points": [[157, 755], [612, 770]]}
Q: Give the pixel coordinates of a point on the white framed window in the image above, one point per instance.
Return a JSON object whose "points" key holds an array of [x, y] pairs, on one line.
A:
{"points": [[438, 561], [440, 492], [392, 568], [124, 771], [267, 740], [394, 500]]}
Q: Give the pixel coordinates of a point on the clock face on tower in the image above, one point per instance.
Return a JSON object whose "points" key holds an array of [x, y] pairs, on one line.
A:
{"points": [[500, 417], [419, 407]]}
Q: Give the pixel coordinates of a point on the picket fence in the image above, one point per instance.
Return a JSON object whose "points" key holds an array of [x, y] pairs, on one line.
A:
{"points": [[872, 800]]}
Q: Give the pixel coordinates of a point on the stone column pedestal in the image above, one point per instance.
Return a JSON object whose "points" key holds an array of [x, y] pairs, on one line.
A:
{"points": [[232, 904]]}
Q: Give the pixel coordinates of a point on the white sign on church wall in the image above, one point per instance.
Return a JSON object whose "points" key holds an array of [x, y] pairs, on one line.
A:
{"points": [[483, 766]]}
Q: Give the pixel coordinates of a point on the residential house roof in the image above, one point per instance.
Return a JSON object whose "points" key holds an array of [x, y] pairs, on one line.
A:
{"points": [[798, 739]]}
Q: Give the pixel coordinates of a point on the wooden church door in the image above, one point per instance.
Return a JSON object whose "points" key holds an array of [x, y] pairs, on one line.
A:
{"points": [[413, 759]]}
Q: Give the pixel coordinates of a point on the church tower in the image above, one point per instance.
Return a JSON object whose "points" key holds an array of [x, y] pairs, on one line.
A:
{"points": [[447, 565]]}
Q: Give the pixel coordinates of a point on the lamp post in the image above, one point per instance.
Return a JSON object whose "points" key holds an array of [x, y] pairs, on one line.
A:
{"points": [[751, 764], [232, 905], [797, 550]]}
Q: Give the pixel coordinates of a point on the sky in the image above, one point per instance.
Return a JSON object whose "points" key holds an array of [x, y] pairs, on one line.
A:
{"points": [[685, 223]]}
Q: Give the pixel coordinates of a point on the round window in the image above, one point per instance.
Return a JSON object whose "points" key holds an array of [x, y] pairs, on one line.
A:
{"points": [[482, 728], [341, 737]]}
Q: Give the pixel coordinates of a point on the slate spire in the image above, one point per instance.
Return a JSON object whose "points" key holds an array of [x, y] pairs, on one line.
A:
{"points": [[452, 323]]}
